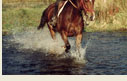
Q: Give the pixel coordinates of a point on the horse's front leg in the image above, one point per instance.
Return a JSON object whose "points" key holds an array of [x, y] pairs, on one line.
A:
{"points": [[78, 43], [65, 39], [52, 32]]}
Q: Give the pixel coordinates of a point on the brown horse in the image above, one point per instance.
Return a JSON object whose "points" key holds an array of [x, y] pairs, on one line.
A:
{"points": [[70, 21]]}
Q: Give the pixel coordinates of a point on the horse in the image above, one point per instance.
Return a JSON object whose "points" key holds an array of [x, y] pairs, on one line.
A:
{"points": [[70, 21]]}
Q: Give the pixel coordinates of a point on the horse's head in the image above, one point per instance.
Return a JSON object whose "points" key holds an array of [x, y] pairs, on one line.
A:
{"points": [[88, 8]]}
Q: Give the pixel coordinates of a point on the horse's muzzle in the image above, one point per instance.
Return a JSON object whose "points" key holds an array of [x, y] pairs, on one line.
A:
{"points": [[90, 16]]}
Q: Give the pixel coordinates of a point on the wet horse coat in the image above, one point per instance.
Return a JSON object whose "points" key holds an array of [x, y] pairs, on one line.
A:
{"points": [[70, 21]]}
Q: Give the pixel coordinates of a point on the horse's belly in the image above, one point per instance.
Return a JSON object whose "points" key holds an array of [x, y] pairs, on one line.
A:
{"points": [[70, 34]]}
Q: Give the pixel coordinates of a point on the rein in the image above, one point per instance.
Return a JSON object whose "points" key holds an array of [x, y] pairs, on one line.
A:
{"points": [[73, 4], [64, 5]]}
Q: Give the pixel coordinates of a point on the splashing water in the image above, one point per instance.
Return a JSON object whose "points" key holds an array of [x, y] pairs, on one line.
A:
{"points": [[82, 57], [42, 41], [39, 40]]}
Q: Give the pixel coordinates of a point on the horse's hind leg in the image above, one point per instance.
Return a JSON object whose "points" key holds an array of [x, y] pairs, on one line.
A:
{"points": [[52, 32], [65, 39], [78, 43]]}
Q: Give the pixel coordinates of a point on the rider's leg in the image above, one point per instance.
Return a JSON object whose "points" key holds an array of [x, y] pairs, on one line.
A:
{"points": [[54, 18]]}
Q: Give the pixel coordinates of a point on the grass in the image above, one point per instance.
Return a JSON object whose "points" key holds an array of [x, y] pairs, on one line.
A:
{"points": [[111, 15], [19, 15], [18, 19]]}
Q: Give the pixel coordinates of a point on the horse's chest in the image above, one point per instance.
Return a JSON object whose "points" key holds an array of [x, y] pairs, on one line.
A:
{"points": [[72, 31]]}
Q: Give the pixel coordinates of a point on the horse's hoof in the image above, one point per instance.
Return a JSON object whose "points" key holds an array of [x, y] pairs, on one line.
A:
{"points": [[66, 50], [68, 47]]}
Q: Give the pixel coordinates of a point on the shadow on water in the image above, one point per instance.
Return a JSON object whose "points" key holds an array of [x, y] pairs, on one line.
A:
{"points": [[24, 55], [27, 61]]}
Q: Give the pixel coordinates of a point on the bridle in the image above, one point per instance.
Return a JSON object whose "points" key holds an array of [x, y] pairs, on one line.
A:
{"points": [[88, 10], [73, 4], [81, 2]]}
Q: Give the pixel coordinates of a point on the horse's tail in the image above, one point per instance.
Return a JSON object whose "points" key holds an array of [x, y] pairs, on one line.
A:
{"points": [[43, 20]]}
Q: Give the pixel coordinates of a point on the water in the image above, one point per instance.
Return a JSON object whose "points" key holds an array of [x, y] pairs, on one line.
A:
{"points": [[34, 52]]}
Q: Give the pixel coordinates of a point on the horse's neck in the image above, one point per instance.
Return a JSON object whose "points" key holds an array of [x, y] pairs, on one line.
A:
{"points": [[70, 9], [76, 3]]}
